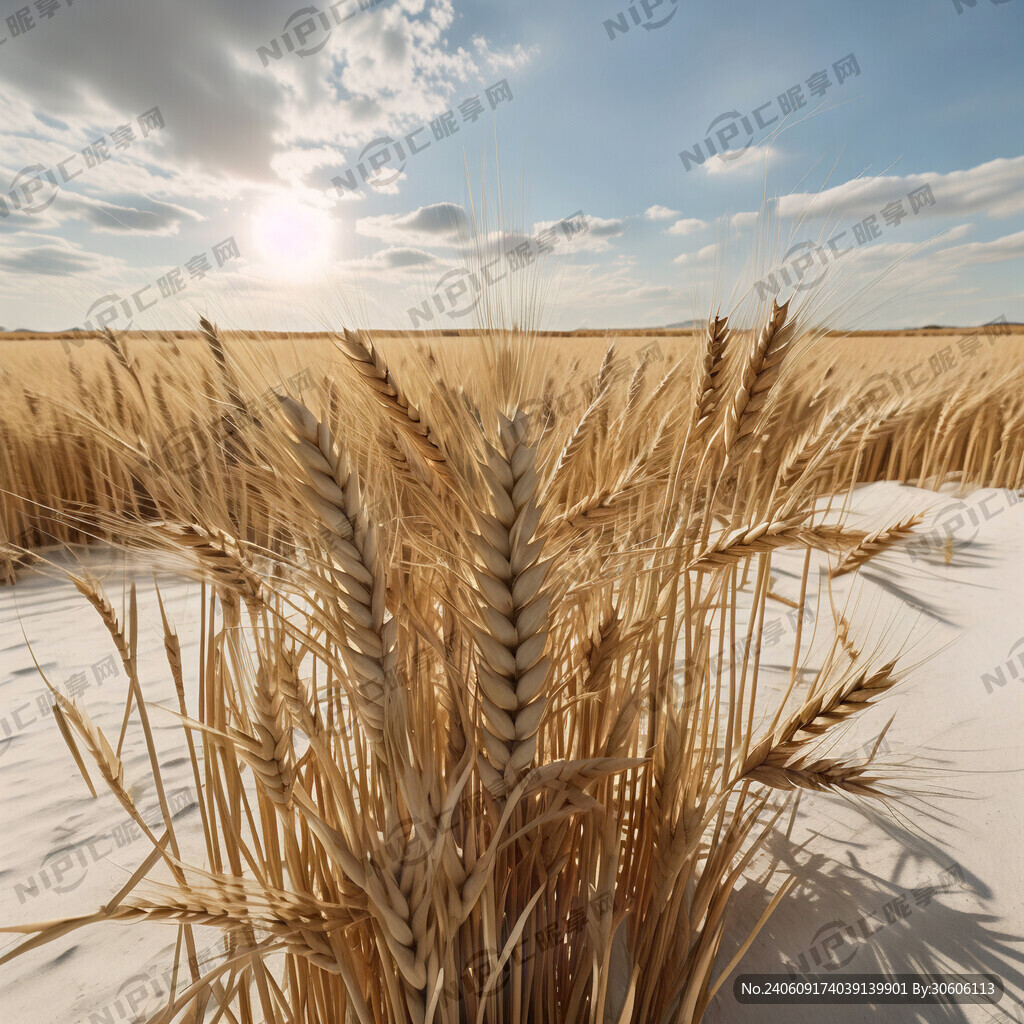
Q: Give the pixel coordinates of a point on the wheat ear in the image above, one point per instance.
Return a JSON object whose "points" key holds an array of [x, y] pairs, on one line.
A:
{"points": [[819, 774], [373, 370], [788, 745], [512, 669], [768, 535], [268, 749], [875, 543], [758, 373], [710, 373], [358, 569], [216, 346]]}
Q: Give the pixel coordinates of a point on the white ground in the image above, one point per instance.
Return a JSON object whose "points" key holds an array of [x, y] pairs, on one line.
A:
{"points": [[863, 871]]}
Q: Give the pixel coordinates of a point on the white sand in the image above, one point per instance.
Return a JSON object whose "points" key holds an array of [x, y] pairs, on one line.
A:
{"points": [[862, 868]]}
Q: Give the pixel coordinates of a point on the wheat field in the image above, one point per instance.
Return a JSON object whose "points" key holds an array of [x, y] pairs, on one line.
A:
{"points": [[467, 733]]}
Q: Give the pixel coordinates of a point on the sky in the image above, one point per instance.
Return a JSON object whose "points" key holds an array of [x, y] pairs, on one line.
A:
{"points": [[413, 163]]}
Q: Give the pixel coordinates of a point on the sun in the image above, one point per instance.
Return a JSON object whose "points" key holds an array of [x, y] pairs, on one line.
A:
{"points": [[292, 239]]}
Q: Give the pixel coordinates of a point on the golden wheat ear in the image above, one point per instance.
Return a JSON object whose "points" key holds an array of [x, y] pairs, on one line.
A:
{"points": [[512, 630], [757, 373], [373, 371], [875, 543], [786, 758], [710, 377], [333, 491], [220, 357]]}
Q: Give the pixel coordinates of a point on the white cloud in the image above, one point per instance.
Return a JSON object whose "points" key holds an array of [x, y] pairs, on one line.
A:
{"points": [[910, 282], [396, 261], [660, 213], [742, 163], [442, 224], [1009, 247], [503, 62], [230, 119], [597, 237], [55, 258], [701, 258], [687, 226], [148, 217], [995, 188], [744, 219]]}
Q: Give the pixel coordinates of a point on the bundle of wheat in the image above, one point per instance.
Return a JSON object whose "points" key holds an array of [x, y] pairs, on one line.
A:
{"points": [[468, 680]]}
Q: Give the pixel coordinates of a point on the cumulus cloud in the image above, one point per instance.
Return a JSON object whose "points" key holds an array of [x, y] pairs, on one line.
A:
{"points": [[597, 238], [744, 219], [438, 224], [149, 217], [701, 258], [687, 226], [995, 189], [503, 60], [742, 163], [660, 213], [16, 221], [50, 260], [83, 68], [229, 113], [398, 258], [1008, 247]]}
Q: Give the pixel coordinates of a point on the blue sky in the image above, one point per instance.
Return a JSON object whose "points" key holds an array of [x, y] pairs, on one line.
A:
{"points": [[590, 125]]}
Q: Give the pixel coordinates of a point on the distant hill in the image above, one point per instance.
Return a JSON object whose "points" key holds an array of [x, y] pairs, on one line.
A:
{"points": [[687, 325]]}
